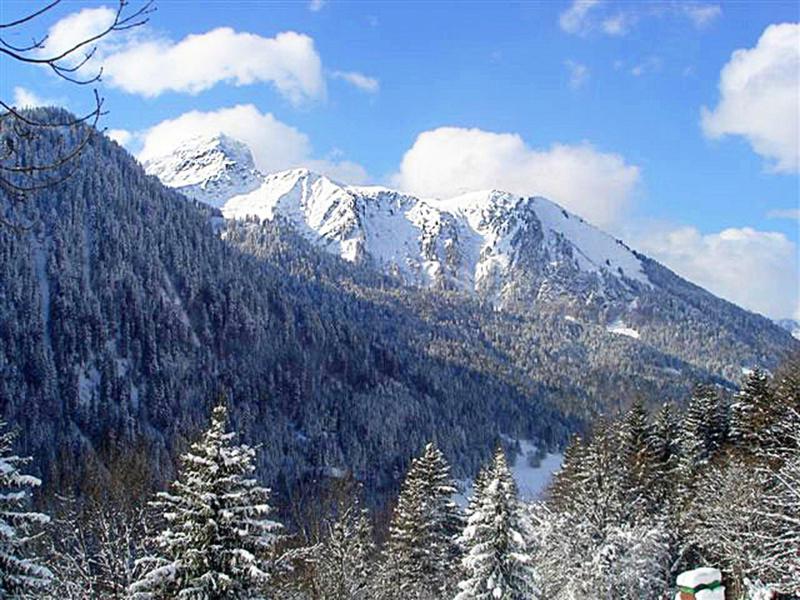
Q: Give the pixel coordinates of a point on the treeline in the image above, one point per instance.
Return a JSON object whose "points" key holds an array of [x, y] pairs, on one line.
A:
{"points": [[641, 499]]}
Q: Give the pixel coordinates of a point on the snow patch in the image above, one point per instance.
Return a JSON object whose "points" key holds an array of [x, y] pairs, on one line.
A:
{"points": [[619, 328], [532, 481]]}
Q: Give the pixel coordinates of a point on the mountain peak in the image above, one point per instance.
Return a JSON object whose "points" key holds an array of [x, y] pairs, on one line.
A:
{"points": [[208, 168]]}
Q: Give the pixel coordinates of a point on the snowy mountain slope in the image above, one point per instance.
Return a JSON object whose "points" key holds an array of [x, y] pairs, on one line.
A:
{"points": [[520, 254], [472, 242]]}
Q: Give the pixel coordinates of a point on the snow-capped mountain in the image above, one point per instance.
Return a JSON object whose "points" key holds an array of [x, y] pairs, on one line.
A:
{"points": [[208, 168], [478, 241], [521, 254]]}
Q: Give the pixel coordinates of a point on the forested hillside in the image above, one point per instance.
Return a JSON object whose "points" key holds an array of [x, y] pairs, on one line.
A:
{"points": [[125, 311]]}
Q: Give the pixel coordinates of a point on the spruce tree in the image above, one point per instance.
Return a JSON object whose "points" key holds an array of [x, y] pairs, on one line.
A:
{"points": [[217, 535], [565, 483], [704, 430], [752, 413], [665, 449], [422, 552], [21, 576], [636, 463], [497, 563], [598, 498]]}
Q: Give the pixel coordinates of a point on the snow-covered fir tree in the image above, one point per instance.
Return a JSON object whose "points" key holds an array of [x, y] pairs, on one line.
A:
{"points": [[21, 575], [751, 413], [497, 563], [343, 563], [217, 534], [704, 429], [636, 463], [566, 480], [422, 553], [665, 449]]}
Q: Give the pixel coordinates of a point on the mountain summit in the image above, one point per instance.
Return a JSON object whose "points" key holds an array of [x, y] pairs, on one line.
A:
{"points": [[207, 168]]}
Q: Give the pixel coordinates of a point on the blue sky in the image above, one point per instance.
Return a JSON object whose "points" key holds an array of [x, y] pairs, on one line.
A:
{"points": [[597, 104]]}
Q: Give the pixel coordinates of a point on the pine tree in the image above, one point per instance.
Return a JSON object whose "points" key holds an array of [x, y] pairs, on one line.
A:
{"points": [[217, 534], [497, 563], [20, 574], [422, 553], [752, 413]]}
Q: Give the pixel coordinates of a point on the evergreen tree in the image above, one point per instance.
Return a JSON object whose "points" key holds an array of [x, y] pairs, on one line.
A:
{"points": [[636, 463], [752, 413], [704, 430], [598, 497], [565, 482], [422, 549], [20, 574], [343, 562], [497, 563], [217, 534]]}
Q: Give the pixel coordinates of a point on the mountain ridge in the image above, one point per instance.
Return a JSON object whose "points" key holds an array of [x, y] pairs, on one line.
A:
{"points": [[518, 253]]}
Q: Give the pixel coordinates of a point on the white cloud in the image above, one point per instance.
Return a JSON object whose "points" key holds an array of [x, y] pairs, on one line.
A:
{"points": [[701, 15], [275, 145], [584, 17], [760, 95], [577, 18], [648, 65], [75, 28], [785, 213], [358, 80], [122, 136], [139, 62], [618, 24], [25, 98], [316, 5], [578, 73], [447, 161], [758, 270], [289, 61]]}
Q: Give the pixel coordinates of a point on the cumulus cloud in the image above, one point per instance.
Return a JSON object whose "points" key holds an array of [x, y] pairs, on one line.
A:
{"points": [[122, 136], [758, 270], [25, 98], [289, 61], [275, 145], [358, 80], [447, 161], [140, 62], [578, 73], [75, 28], [759, 97]]}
